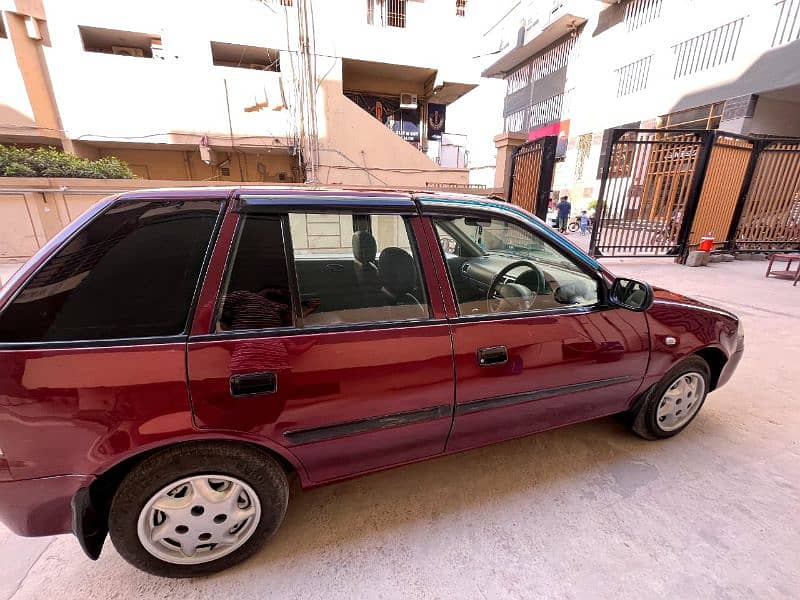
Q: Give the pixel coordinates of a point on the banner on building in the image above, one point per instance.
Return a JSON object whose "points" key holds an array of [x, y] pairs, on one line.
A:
{"points": [[559, 128], [436, 121]]}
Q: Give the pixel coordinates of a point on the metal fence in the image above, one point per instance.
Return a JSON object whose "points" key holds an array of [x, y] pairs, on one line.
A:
{"points": [[662, 191]]}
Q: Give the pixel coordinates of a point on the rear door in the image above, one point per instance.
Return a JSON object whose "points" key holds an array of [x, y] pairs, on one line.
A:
{"points": [[296, 351], [93, 345], [526, 364]]}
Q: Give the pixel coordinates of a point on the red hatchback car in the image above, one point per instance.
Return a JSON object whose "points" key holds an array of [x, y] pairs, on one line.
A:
{"points": [[173, 356]]}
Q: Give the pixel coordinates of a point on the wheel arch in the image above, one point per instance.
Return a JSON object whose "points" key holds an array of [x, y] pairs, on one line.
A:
{"points": [[716, 360], [91, 504]]}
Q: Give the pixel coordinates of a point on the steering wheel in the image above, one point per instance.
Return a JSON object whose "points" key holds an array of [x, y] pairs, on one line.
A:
{"points": [[492, 294]]}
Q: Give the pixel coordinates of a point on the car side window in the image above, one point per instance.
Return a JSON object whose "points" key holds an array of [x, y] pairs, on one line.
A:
{"points": [[129, 273], [350, 268], [497, 265], [256, 291], [357, 268]]}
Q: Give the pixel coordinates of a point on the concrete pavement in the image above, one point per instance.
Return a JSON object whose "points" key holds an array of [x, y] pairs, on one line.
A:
{"points": [[588, 511]]}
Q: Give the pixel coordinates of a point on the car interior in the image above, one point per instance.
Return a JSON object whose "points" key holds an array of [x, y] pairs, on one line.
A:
{"points": [[366, 284], [497, 266]]}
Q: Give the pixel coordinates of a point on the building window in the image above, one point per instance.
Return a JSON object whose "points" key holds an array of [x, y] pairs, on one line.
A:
{"points": [[518, 79], [787, 27], [461, 8], [547, 111], [245, 57], [386, 13], [121, 43], [715, 47], [703, 117], [633, 77], [552, 60], [641, 12], [515, 121]]}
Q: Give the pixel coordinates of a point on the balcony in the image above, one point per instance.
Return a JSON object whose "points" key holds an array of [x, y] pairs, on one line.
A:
{"points": [[525, 33]]}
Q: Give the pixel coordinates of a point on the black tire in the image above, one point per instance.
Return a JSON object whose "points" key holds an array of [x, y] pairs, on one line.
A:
{"points": [[644, 422], [259, 470]]}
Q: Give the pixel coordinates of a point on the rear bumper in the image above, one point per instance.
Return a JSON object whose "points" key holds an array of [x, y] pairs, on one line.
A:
{"points": [[42, 506]]}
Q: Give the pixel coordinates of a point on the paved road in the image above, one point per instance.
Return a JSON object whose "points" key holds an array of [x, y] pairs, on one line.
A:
{"points": [[587, 511]]}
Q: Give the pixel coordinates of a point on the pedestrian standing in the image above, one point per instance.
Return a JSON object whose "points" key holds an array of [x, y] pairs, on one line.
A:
{"points": [[584, 222], [564, 209]]}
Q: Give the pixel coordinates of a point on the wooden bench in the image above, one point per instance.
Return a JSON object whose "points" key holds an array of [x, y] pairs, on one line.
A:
{"points": [[787, 273]]}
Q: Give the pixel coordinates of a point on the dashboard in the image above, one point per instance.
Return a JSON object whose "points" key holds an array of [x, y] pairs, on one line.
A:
{"points": [[557, 286]]}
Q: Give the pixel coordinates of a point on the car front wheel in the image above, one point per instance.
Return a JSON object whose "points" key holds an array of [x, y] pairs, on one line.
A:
{"points": [[197, 508], [671, 405]]}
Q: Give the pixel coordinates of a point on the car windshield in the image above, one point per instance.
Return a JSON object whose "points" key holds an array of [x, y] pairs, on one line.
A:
{"points": [[493, 236]]}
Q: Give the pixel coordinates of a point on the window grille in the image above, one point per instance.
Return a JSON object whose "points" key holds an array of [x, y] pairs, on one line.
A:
{"points": [[715, 47]]}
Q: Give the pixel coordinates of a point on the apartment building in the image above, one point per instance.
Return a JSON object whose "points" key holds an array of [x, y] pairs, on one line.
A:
{"points": [[576, 68], [243, 90]]}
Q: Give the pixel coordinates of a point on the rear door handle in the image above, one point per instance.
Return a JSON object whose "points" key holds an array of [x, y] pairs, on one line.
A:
{"points": [[494, 355], [253, 383]]}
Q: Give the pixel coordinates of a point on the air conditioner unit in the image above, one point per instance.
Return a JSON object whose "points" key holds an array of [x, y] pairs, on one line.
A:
{"points": [[126, 51], [408, 100]]}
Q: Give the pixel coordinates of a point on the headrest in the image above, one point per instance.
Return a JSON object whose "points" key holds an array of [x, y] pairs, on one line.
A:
{"points": [[364, 247], [397, 271]]}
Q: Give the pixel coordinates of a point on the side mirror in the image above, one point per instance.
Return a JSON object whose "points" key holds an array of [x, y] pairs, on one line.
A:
{"points": [[631, 294]]}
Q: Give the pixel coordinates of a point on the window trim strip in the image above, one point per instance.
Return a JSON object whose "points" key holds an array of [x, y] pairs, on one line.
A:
{"points": [[219, 336], [324, 204]]}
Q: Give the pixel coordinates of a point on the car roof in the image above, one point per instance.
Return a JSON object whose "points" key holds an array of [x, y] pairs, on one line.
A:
{"points": [[431, 200]]}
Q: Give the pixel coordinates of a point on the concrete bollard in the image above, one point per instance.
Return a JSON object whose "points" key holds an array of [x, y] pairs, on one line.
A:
{"points": [[697, 258]]}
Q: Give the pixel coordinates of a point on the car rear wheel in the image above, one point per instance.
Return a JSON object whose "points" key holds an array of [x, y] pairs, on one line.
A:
{"points": [[673, 403], [197, 508]]}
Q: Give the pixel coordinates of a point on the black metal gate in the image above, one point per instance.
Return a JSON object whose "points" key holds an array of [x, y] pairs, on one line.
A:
{"points": [[663, 190], [650, 180], [532, 175]]}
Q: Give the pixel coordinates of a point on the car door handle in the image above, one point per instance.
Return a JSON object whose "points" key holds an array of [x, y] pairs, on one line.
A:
{"points": [[494, 355], [253, 383]]}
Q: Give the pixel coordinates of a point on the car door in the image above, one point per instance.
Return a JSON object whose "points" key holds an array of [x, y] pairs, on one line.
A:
{"points": [[346, 373], [526, 364]]}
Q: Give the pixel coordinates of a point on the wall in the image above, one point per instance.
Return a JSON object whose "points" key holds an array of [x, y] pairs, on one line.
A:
{"points": [[776, 117], [132, 107], [33, 210], [104, 96], [187, 165], [357, 149]]}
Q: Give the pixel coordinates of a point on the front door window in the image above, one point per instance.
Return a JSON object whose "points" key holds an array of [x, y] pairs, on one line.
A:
{"points": [[499, 266]]}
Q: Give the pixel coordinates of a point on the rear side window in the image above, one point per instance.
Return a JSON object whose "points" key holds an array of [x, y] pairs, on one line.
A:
{"points": [[257, 295], [131, 272], [350, 268]]}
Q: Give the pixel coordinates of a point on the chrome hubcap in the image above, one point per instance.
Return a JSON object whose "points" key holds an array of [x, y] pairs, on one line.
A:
{"points": [[199, 519], [681, 401]]}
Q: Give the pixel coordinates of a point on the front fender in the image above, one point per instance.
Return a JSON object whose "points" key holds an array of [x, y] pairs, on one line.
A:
{"points": [[680, 327]]}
